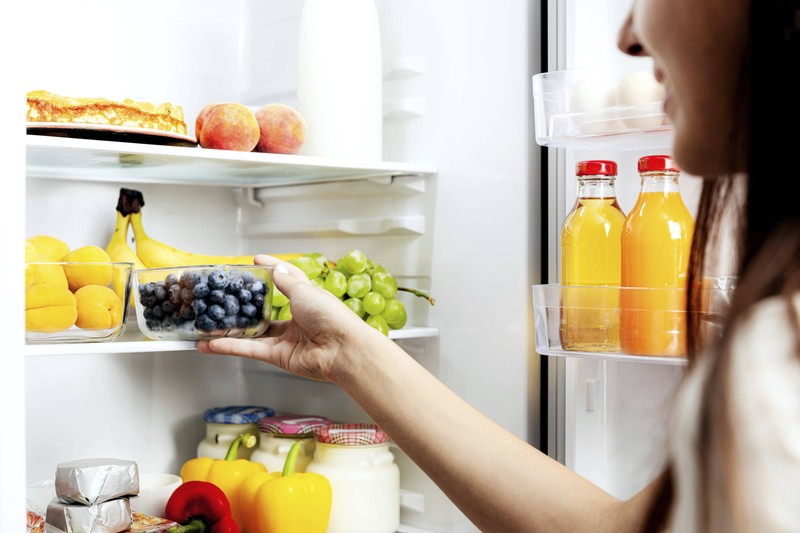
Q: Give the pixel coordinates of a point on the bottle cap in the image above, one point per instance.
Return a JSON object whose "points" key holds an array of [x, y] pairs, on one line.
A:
{"points": [[650, 163], [237, 414], [353, 434], [596, 167], [292, 424]]}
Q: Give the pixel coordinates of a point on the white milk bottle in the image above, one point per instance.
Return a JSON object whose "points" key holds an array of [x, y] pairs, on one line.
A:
{"points": [[340, 79]]}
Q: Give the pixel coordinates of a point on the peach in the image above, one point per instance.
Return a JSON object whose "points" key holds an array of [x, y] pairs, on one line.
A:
{"points": [[227, 126], [282, 129]]}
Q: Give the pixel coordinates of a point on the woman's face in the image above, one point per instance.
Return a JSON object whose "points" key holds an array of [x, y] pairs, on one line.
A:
{"points": [[697, 48]]}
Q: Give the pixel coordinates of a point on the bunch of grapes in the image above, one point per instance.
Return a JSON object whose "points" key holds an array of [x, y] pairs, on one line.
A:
{"points": [[363, 285]]}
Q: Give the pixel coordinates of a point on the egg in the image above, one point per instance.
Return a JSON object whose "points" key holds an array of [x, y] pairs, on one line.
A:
{"points": [[640, 98], [591, 103]]}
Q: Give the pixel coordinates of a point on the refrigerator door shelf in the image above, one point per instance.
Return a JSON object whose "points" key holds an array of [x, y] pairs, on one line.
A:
{"points": [[112, 161], [615, 107], [599, 308]]}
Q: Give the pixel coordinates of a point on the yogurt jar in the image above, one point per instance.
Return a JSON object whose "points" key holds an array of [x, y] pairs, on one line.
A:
{"points": [[278, 433], [224, 424], [364, 478]]}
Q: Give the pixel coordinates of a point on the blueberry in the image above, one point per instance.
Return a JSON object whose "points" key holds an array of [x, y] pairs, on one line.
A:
{"points": [[199, 306], [237, 284], [153, 324], [257, 287], [189, 279], [176, 318], [205, 323], [187, 295], [142, 288], [150, 300], [242, 322], [228, 322], [150, 288], [217, 296], [170, 280], [147, 313], [186, 311], [244, 296], [160, 292], [231, 305], [218, 279], [201, 290], [175, 294], [248, 310], [158, 312], [247, 276], [258, 300], [168, 307], [215, 311]]}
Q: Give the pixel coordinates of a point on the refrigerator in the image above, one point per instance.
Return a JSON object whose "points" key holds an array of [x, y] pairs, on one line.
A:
{"points": [[465, 203]]}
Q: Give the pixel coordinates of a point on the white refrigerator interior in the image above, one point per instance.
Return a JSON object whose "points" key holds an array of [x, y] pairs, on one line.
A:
{"points": [[608, 419], [451, 209]]}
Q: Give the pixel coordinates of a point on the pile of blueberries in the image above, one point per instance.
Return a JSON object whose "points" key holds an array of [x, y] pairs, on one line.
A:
{"points": [[204, 300]]}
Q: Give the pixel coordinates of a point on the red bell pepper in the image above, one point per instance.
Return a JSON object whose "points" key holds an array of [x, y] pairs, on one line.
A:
{"points": [[200, 507]]}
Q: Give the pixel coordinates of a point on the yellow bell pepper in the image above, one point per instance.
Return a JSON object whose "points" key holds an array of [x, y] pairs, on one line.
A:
{"points": [[228, 474], [286, 502]]}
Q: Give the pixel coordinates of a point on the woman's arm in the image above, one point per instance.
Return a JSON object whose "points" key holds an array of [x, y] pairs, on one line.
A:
{"points": [[498, 480]]}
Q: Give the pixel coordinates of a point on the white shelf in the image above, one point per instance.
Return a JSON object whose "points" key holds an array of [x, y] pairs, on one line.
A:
{"points": [[114, 161], [133, 341]]}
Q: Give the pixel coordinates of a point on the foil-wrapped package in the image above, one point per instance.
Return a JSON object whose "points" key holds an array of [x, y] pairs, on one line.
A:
{"points": [[93, 481], [111, 516]]}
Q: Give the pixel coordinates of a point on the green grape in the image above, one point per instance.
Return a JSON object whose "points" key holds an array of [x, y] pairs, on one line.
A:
{"points": [[354, 261], [319, 281], [335, 283], [321, 259], [278, 298], [395, 314], [356, 305], [376, 268], [378, 322], [385, 284], [374, 303], [358, 285], [273, 313], [340, 268], [285, 313], [309, 265]]}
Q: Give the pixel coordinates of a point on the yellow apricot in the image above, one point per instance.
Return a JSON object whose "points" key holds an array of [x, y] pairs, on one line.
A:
{"points": [[31, 255], [46, 273], [49, 308], [47, 295], [98, 307], [80, 275], [49, 248]]}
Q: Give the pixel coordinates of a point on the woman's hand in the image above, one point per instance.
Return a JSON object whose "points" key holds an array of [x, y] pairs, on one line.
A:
{"points": [[321, 329]]}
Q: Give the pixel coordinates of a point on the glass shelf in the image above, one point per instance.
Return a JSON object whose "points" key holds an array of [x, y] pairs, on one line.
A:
{"points": [[591, 322], [114, 161], [133, 341]]}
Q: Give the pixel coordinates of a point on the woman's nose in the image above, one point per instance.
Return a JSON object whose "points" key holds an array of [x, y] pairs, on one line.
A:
{"points": [[627, 40]]}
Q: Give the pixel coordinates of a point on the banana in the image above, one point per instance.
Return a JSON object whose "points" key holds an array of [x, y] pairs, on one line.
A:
{"points": [[155, 254], [117, 248]]}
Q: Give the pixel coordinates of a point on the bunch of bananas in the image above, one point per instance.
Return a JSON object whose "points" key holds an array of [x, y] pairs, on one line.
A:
{"points": [[151, 253]]}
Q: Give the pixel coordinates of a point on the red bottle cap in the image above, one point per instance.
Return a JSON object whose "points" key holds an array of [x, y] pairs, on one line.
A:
{"points": [[650, 163], [596, 167]]}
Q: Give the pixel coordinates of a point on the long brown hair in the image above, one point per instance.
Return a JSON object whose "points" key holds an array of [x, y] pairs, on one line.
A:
{"points": [[762, 222]]}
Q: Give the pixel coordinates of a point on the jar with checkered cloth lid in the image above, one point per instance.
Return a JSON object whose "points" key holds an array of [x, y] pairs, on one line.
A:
{"points": [[364, 477], [278, 433], [224, 424]]}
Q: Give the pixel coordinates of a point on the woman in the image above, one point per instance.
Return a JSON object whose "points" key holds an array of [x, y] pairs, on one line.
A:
{"points": [[735, 454]]}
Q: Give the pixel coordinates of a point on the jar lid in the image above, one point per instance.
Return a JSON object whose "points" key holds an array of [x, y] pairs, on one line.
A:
{"points": [[292, 424], [596, 167], [353, 434], [237, 414], [650, 163]]}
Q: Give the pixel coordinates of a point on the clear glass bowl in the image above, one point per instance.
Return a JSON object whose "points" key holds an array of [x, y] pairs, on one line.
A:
{"points": [[69, 302], [203, 302]]}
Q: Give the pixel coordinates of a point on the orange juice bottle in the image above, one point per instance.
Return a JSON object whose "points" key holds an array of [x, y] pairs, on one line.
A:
{"points": [[590, 262], [656, 241]]}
